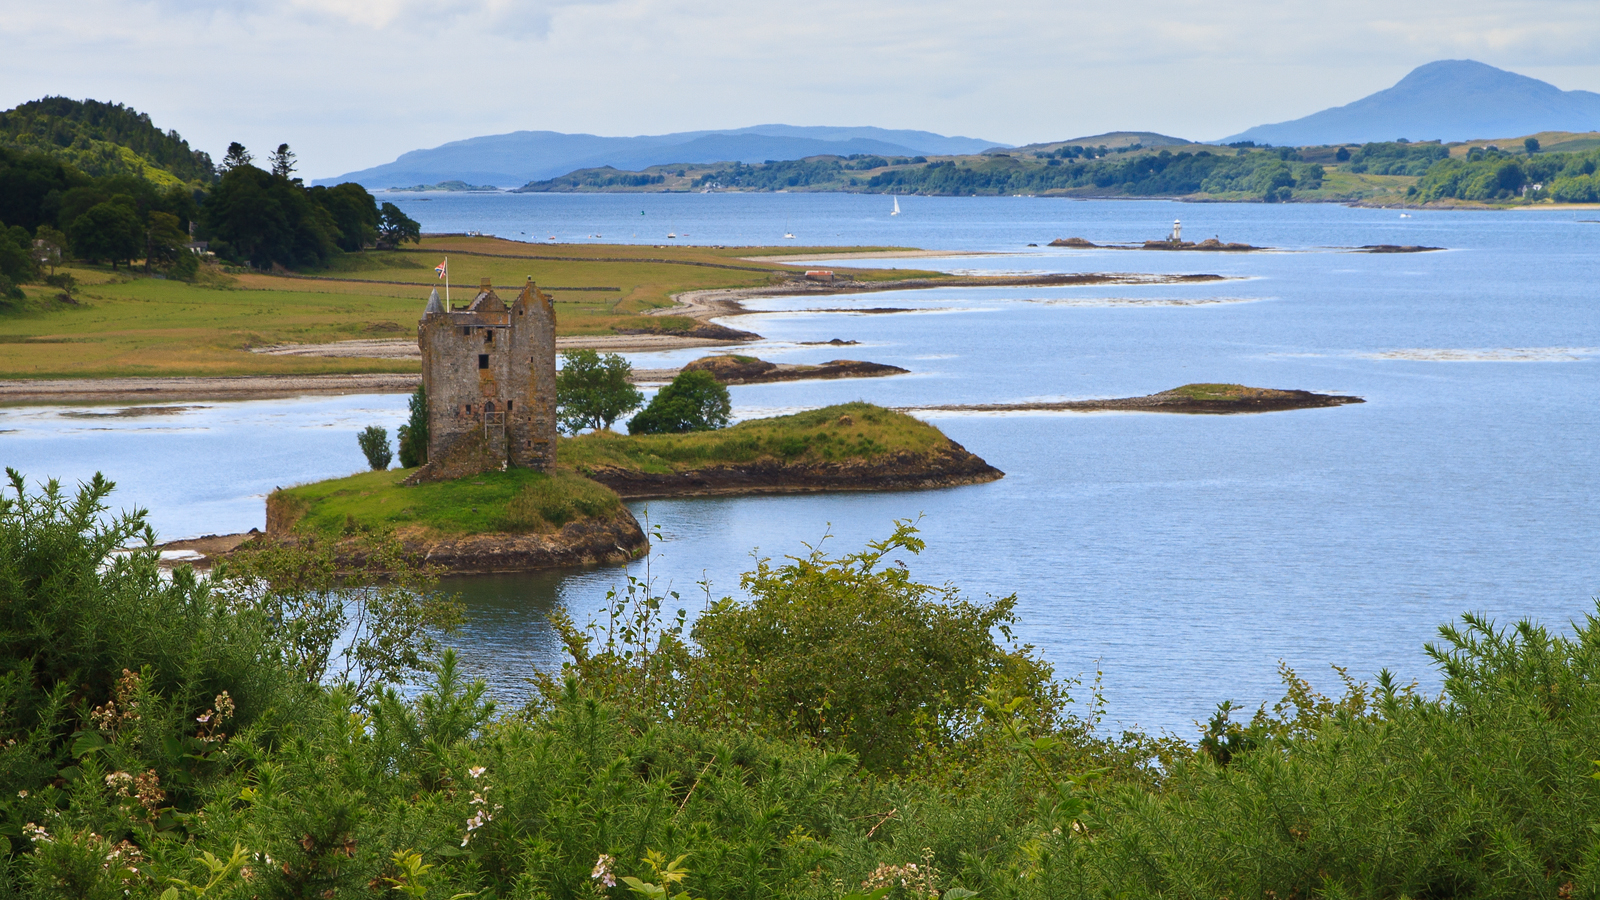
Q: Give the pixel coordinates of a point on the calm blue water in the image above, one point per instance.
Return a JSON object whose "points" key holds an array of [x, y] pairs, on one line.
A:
{"points": [[1182, 556]]}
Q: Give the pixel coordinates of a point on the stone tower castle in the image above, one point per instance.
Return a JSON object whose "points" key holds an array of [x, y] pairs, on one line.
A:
{"points": [[490, 375]]}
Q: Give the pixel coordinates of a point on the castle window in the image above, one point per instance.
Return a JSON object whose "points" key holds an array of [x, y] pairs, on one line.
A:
{"points": [[483, 360], [508, 406], [466, 330], [488, 336]]}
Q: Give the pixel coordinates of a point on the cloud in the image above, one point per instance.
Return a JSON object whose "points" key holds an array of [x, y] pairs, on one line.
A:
{"points": [[353, 83]]}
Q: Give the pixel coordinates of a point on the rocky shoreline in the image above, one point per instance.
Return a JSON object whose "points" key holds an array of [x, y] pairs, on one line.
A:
{"points": [[948, 466]]}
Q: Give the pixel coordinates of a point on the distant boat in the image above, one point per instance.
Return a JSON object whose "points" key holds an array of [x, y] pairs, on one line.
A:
{"points": [[672, 234], [896, 207], [1405, 215], [788, 236]]}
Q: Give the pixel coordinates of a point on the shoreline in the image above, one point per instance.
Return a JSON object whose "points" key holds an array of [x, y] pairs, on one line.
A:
{"points": [[701, 306]]}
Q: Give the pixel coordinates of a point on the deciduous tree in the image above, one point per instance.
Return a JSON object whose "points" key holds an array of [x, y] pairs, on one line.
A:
{"points": [[593, 391], [694, 401]]}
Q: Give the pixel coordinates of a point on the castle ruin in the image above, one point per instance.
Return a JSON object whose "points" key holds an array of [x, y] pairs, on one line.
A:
{"points": [[489, 371]]}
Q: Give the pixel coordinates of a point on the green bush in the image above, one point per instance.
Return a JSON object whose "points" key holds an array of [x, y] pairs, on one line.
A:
{"points": [[413, 436], [693, 401], [374, 441]]}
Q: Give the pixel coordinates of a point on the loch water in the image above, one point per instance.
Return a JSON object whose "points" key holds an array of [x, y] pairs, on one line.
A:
{"points": [[1182, 556]]}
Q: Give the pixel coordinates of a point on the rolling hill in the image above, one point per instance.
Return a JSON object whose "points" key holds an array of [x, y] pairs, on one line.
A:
{"points": [[513, 159], [1448, 100]]}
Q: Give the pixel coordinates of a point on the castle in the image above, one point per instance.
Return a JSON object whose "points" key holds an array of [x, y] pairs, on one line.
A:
{"points": [[489, 371]]}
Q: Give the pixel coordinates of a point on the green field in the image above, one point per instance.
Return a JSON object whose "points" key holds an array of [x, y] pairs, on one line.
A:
{"points": [[125, 324], [831, 434], [516, 500]]}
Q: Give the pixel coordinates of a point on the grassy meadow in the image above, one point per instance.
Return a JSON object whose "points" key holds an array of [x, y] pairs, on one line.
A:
{"points": [[125, 324]]}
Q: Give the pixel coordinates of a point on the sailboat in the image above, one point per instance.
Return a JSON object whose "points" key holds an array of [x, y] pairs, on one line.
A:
{"points": [[896, 207]]}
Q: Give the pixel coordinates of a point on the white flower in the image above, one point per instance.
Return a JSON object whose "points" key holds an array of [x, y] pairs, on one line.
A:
{"points": [[602, 871], [476, 771]]}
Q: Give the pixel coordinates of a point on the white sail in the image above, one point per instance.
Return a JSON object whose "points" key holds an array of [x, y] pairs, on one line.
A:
{"points": [[896, 207]]}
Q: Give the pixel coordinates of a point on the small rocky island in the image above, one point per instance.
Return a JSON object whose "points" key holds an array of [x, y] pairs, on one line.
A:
{"points": [[1193, 399], [1209, 244], [731, 369]]}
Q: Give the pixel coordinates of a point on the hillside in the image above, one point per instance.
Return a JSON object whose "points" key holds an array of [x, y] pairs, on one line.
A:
{"points": [[1448, 100], [517, 158], [103, 139]]}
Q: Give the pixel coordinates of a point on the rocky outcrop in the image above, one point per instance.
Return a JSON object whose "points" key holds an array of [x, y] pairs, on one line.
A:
{"points": [[948, 466], [749, 370], [605, 540]]}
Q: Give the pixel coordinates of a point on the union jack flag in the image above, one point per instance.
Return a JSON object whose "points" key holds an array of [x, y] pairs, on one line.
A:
{"points": [[442, 268]]}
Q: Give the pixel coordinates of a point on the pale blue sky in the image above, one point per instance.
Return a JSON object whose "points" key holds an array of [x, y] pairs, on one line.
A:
{"points": [[354, 83]]}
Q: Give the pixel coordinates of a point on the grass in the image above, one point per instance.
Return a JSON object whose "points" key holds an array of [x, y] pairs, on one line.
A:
{"points": [[1221, 392], [125, 325], [516, 500], [848, 431]]}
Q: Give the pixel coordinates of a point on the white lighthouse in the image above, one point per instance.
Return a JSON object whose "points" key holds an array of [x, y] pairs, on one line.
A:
{"points": [[1177, 232]]}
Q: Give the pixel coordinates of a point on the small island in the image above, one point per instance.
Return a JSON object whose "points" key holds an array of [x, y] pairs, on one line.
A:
{"points": [[848, 447], [1171, 243], [1193, 399], [522, 519], [735, 369]]}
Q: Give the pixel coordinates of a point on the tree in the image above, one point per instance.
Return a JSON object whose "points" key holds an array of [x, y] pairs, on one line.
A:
{"points": [[108, 230], [17, 263], [593, 391], [165, 241], [283, 161], [1343, 154], [694, 401], [1531, 145], [267, 220], [413, 435], [374, 441], [395, 228], [354, 213], [237, 156]]}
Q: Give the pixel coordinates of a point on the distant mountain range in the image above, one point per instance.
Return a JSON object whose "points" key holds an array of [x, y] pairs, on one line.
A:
{"points": [[1448, 100], [511, 160]]}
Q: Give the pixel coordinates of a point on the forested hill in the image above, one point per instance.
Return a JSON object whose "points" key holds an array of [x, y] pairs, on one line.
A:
{"points": [[1380, 172], [104, 139]]}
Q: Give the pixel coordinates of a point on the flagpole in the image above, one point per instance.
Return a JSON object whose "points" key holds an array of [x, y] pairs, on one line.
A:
{"points": [[447, 282]]}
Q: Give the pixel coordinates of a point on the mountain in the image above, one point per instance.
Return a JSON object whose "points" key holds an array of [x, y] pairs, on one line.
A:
{"points": [[522, 156], [1113, 140], [103, 139], [1448, 100]]}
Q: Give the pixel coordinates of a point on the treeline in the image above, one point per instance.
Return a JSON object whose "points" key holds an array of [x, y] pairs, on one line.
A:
{"points": [[842, 733], [1488, 175], [52, 212], [1272, 174], [603, 177]]}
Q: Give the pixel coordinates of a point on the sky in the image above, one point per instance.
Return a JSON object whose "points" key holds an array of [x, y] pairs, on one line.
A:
{"points": [[354, 83]]}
